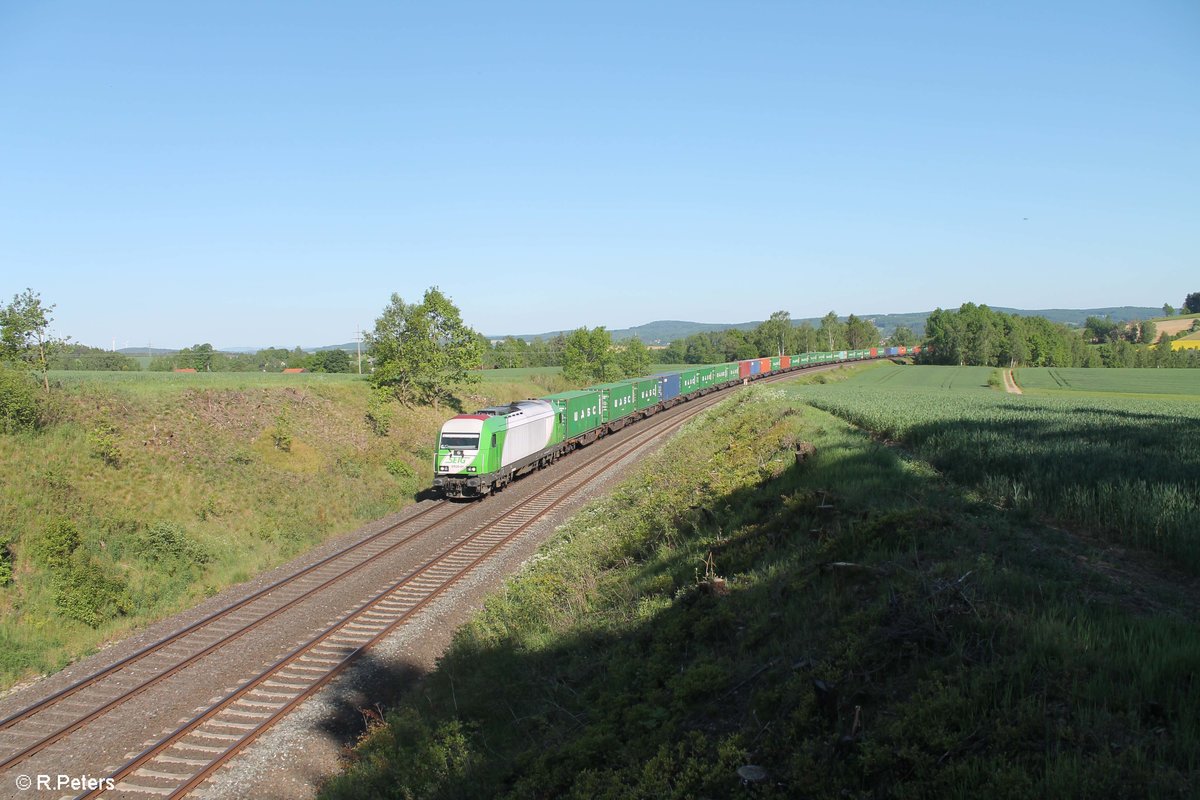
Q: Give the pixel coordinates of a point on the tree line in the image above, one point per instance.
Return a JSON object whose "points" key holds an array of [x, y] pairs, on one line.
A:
{"points": [[779, 336], [976, 335], [204, 358], [776, 336]]}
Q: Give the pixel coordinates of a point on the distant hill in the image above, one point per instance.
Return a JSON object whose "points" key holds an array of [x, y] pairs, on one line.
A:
{"points": [[148, 351], [665, 331]]}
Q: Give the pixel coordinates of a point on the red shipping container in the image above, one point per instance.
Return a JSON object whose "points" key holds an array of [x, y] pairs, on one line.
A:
{"points": [[785, 362], [764, 366], [903, 351], [874, 352], [743, 369]]}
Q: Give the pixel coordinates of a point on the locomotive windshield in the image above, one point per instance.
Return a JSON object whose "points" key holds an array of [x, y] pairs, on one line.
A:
{"points": [[460, 441]]}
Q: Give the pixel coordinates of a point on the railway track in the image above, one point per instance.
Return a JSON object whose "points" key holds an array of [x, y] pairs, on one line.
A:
{"points": [[178, 761], [184, 759]]}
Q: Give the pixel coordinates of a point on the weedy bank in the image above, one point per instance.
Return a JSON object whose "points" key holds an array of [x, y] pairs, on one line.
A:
{"points": [[778, 605], [145, 492]]}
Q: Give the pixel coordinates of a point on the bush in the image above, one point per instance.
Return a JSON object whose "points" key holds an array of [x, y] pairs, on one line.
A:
{"points": [[379, 412], [57, 545], [103, 442], [6, 561], [166, 543], [281, 434], [19, 408], [398, 468], [84, 593]]}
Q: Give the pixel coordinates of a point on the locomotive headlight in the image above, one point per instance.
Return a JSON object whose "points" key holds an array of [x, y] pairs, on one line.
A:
{"points": [[470, 469], [444, 468]]}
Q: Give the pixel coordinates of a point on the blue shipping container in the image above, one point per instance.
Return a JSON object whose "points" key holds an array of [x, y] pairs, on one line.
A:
{"points": [[756, 366], [893, 351], [669, 381]]}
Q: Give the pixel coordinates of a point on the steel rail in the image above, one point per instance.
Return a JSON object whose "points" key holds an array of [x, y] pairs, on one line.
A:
{"points": [[615, 455], [175, 636], [62, 732]]}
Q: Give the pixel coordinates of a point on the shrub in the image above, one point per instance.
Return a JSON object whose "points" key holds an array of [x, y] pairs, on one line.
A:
{"points": [[102, 440], [85, 593], [57, 545], [18, 401], [166, 543], [379, 412], [6, 561], [398, 468], [281, 434]]}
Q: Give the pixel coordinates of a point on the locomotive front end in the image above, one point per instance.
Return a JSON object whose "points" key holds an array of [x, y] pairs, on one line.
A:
{"points": [[458, 463]]}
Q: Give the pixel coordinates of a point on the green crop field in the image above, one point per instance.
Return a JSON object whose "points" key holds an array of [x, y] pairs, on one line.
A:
{"points": [[892, 376], [1125, 467], [149, 383], [1184, 382], [520, 373]]}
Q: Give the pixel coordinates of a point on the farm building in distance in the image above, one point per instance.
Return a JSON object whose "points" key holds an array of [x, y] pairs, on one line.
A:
{"points": [[294, 369]]}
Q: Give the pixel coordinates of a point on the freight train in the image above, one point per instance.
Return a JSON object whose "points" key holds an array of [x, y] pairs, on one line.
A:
{"points": [[481, 453]]}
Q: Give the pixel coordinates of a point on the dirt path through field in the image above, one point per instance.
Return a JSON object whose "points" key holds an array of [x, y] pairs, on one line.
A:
{"points": [[1010, 383]]}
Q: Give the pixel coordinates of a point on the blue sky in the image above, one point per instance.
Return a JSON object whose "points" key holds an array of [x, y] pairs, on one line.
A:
{"points": [[269, 173]]}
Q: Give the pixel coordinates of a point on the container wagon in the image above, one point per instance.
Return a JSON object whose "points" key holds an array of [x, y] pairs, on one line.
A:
{"points": [[668, 387], [647, 394], [616, 403], [580, 414]]}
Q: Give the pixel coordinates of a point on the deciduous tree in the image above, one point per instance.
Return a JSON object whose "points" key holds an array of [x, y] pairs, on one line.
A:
{"points": [[1191, 303], [635, 358], [423, 351], [774, 333], [831, 334], [588, 356], [903, 337], [861, 333], [25, 336]]}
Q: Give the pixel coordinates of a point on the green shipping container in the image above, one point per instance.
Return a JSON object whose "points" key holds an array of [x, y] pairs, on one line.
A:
{"points": [[579, 411], [776, 364], [689, 381], [616, 400], [708, 376], [645, 392]]}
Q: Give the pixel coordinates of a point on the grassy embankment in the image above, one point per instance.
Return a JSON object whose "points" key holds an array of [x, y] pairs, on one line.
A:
{"points": [[887, 629], [148, 491]]}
